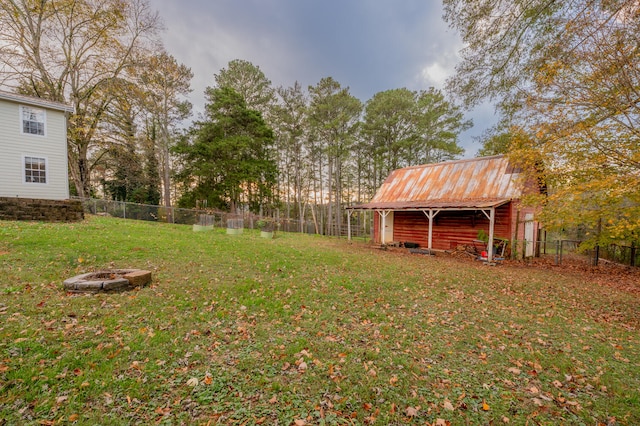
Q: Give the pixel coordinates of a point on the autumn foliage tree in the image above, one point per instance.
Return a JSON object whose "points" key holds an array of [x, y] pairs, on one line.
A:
{"points": [[164, 85], [568, 73]]}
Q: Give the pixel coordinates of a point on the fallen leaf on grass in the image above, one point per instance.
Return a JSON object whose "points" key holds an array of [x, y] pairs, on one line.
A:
{"points": [[514, 370], [163, 411], [300, 422], [193, 382], [619, 357], [411, 412], [485, 406], [448, 405]]}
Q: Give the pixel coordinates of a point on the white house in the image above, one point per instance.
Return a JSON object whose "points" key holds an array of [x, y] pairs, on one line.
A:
{"points": [[33, 148]]}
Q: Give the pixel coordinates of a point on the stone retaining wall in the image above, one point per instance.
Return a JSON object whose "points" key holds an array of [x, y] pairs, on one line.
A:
{"points": [[41, 210]]}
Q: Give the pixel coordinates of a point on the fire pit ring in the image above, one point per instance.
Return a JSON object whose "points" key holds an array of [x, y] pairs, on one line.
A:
{"points": [[108, 280]]}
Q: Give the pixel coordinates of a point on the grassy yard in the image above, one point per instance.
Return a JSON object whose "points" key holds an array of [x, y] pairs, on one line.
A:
{"points": [[236, 329]]}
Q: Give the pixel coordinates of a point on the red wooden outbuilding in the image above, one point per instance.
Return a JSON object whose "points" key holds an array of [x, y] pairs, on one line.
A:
{"points": [[441, 206]]}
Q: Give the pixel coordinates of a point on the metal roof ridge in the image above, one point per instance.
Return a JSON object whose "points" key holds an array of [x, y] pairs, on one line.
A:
{"points": [[463, 160]]}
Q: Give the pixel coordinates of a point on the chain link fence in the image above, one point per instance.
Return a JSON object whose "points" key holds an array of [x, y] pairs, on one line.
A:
{"points": [[148, 212], [622, 254]]}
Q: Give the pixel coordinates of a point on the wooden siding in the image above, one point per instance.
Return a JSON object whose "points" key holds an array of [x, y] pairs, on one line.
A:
{"points": [[15, 145], [450, 228]]}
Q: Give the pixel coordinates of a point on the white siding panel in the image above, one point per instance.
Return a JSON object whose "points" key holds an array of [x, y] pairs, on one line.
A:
{"points": [[14, 146]]}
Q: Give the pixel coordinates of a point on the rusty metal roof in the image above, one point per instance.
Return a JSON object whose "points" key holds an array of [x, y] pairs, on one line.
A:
{"points": [[475, 183]]}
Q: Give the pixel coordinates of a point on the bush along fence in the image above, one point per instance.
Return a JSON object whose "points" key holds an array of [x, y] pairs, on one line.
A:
{"points": [[203, 218]]}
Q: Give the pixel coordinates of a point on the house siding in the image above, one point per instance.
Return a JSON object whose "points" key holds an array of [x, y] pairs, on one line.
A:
{"points": [[15, 145]]}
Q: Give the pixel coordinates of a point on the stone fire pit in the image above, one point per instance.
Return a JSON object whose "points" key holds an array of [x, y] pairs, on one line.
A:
{"points": [[108, 280]]}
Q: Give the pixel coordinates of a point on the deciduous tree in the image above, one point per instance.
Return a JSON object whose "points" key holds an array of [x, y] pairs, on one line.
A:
{"points": [[569, 74], [165, 84]]}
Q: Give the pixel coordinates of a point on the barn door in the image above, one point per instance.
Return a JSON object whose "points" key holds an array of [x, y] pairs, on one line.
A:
{"points": [[388, 228], [528, 235]]}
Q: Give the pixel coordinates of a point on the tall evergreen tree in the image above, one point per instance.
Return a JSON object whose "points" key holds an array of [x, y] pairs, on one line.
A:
{"points": [[334, 115], [290, 117], [250, 83], [228, 160]]}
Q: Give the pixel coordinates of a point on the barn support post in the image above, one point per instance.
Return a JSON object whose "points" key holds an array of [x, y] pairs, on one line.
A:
{"points": [[492, 220], [430, 215], [349, 212]]}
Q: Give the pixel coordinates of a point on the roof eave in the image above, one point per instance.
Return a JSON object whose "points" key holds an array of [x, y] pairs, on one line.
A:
{"points": [[30, 100], [440, 205]]}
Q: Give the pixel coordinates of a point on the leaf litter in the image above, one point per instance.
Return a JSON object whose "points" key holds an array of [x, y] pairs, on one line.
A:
{"points": [[405, 342]]}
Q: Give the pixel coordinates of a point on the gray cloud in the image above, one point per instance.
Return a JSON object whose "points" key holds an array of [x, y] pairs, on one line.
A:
{"points": [[367, 45]]}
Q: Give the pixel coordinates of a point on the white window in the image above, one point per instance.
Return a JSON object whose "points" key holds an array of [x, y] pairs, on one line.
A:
{"points": [[33, 120], [35, 170]]}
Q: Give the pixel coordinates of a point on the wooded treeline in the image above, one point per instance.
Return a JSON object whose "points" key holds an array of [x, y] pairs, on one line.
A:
{"points": [[305, 153], [564, 75], [327, 149]]}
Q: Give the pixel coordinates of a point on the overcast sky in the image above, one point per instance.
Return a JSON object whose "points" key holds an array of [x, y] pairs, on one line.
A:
{"points": [[366, 45]]}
